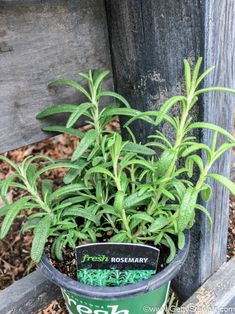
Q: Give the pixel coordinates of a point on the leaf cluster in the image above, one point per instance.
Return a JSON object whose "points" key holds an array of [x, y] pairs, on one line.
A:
{"points": [[117, 190]]}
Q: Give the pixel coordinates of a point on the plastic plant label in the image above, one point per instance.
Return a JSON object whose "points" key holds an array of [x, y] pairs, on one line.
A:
{"points": [[117, 256], [115, 264]]}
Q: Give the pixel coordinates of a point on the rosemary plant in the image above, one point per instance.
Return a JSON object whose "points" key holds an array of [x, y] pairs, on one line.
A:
{"points": [[117, 190]]}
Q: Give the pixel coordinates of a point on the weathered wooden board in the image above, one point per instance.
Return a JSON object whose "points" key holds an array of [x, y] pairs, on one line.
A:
{"points": [[28, 295], [41, 41], [216, 295], [149, 40], [209, 246]]}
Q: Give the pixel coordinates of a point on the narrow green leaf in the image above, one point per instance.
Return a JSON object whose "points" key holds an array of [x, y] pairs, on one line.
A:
{"points": [[143, 217], [167, 158], [31, 174], [57, 247], [29, 225], [196, 71], [121, 237], [4, 209], [195, 147], [198, 161], [85, 143], [107, 209], [117, 96], [187, 207], [210, 126], [158, 224], [81, 109], [77, 199], [71, 84], [7, 183], [100, 78], [206, 193], [118, 201], [76, 212], [166, 107], [144, 163], [214, 89], [138, 148], [121, 112], [187, 75], [41, 232], [181, 240], [73, 173], [172, 247], [134, 199], [146, 117], [7, 160], [222, 149], [13, 210], [63, 129], [47, 186], [180, 187], [158, 238], [166, 193], [156, 144], [55, 109], [85, 76], [66, 190], [223, 180], [203, 76], [205, 211], [56, 166], [100, 170]]}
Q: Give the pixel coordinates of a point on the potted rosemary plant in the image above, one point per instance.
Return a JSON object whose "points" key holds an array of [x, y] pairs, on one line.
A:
{"points": [[118, 191]]}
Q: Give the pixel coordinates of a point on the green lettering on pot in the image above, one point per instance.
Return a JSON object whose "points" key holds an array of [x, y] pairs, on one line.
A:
{"points": [[150, 302]]}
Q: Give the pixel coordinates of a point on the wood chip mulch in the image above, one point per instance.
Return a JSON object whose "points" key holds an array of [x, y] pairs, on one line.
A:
{"points": [[231, 229], [56, 307]]}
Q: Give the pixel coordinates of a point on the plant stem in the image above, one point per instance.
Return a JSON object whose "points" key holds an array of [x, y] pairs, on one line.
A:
{"points": [[178, 142], [34, 194]]}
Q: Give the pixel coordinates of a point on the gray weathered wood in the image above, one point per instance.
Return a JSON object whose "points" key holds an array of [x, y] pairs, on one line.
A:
{"points": [[210, 245], [41, 41], [216, 295], [28, 295], [149, 40]]}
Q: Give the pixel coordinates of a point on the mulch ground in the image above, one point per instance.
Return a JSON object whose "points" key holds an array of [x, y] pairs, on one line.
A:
{"points": [[15, 260], [231, 233]]}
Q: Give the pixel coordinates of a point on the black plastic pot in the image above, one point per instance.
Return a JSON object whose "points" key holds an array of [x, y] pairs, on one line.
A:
{"points": [[146, 296]]}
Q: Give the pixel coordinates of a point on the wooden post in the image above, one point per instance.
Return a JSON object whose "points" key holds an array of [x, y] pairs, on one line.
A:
{"points": [[149, 40]]}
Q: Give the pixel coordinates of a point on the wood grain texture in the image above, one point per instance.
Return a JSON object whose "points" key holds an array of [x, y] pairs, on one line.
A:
{"points": [[28, 295], [149, 40], [210, 245], [218, 109], [216, 295], [41, 41]]}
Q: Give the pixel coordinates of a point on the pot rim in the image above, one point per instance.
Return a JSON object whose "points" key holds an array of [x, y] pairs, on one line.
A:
{"points": [[105, 293]]}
